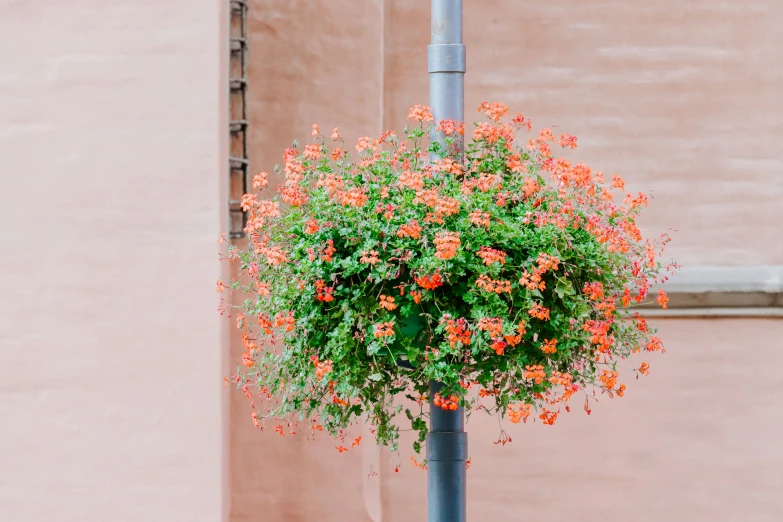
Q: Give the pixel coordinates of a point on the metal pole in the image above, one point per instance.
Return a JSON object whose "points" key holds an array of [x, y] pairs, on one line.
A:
{"points": [[446, 62], [447, 442], [447, 454]]}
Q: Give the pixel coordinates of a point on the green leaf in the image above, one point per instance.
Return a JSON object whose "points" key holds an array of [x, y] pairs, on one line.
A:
{"points": [[564, 287], [375, 377]]}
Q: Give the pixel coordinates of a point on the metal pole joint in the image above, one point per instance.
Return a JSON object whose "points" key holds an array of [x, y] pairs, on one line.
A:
{"points": [[447, 446], [446, 58]]}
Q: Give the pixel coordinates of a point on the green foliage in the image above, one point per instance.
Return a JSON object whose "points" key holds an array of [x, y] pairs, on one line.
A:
{"points": [[497, 268]]}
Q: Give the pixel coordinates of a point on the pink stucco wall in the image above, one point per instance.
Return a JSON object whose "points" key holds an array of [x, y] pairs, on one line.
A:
{"points": [[111, 353], [112, 194], [678, 97]]}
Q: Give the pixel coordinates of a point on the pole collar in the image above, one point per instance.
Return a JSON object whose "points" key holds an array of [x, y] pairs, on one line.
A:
{"points": [[446, 58], [447, 445]]}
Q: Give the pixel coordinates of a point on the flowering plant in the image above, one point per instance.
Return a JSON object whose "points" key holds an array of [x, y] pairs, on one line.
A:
{"points": [[496, 267]]}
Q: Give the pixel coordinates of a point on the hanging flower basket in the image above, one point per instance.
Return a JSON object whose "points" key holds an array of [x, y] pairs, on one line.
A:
{"points": [[500, 270]]}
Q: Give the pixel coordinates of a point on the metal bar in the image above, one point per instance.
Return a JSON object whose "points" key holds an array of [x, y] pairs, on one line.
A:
{"points": [[237, 84], [446, 62], [238, 44], [447, 455], [447, 442], [239, 163]]}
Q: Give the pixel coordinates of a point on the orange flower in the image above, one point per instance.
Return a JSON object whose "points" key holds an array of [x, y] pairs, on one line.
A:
{"points": [[420, 113], [328, 251], [644, 369], [655, 344], [387, 303], [499, 346], [316, 130], [498, 286], [608, 378], [535, 373], [450, 403], [259, 180], [567, 140], [220, 286], [312, 152], [640, 200], [547, 262], [354, 197], [311, 227], [416, 296], [563, 379], [549, 346], [549, 417], [446, 244], [356, 441], [448, 165], [321, 367], [458, 331], [413, 181], [626, 298], [479, 218], [248, 201], [418, 464], [492, 325], [520, 121], [532, 281], [285, 319], [514, 340], [594, 291], [323, 292], [371, 257], [494, 111], [515, 164], [491, 255], [412, 230], [618, 183], [429, 282], [274, 255], [519, 412], [294, 195], [341, 449], [663, 299], [539, 312], [449, 127], [364, 143], [384, 329], [338, 153], [335, 134]]}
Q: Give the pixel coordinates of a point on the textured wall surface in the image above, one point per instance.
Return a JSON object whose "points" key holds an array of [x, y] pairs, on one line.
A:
{"points": [[112, 143], [113, 166], [695, 441], [304, 68], [681, 98]]}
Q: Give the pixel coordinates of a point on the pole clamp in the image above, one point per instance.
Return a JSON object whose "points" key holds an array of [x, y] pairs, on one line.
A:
{"points": [[446, 58], [447, 445]]}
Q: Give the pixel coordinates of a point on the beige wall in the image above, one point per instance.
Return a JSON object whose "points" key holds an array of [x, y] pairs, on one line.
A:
{"points": [[112, 154], [113, 144], [681, 98]]}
